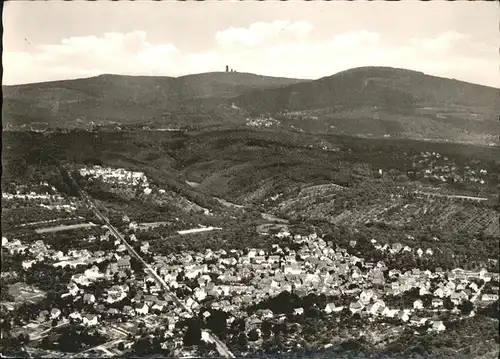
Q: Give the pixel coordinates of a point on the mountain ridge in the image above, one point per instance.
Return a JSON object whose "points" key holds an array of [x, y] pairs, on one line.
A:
{"points": [[366, 101], [382, 101]]}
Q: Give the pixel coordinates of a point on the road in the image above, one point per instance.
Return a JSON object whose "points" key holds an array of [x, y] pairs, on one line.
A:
{"points": [[221, 347], [452, 196]]}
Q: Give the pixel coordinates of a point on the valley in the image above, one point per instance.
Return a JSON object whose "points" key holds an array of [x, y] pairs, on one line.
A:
{"points": [[229, 214], [244, 242]]}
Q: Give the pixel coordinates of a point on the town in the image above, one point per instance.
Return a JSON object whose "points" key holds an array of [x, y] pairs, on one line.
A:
{"points": [[112, 294]]}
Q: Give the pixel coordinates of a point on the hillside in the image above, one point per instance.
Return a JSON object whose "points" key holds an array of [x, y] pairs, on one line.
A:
{"points": [[379, 101], [126, 99]]}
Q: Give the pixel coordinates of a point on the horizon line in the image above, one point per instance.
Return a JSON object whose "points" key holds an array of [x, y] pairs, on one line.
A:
{"points": [[250, 73]]}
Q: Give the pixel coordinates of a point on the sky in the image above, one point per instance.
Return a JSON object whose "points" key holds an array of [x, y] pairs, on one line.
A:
{"points": [[54, 40]]}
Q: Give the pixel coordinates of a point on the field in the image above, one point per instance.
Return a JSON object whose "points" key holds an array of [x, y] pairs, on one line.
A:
{"points": [[24, 293]]}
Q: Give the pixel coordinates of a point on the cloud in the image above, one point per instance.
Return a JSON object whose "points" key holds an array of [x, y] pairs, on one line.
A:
{"points": [[356, 39], [123, 53], [278, 48], [264, 33]]}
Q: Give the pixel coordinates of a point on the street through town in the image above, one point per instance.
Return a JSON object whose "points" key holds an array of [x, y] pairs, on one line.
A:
{"points": [[221, 347]]}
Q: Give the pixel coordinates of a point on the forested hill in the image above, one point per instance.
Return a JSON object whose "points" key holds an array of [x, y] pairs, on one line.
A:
{"points": [[383, 101], [127, 99]]}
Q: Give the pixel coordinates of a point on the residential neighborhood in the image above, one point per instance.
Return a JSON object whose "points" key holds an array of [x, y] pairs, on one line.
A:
{"points": [[108, 290]]}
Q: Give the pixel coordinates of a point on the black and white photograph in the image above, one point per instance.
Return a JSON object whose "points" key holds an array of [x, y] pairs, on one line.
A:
{"points": [[250, 179]]}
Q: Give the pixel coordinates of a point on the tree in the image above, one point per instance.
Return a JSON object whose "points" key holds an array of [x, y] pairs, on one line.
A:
{"points": [[266, 328], [217, 322], [192, 336], [466, 307], [448, 304], [253, 335], [242, 340]]}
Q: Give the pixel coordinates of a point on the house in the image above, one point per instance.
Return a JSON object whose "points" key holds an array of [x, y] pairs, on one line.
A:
{"points": [[154, 289], [73, 289], [113, 311], [396, 247], [112, 268], [394, 273], [458, 297], [90, 320], [81, 279], [42, 316], [133, 225], [115, 296], [489, 297], [123, 264], [439, 292], [474, 287], [377, 307], [356, 307], [437, 326], [27, 264], [259, 259], [418, 304], [365, 296], [93, 273], [423, 290], [437, 303], [298, 311], [159, 305], [128, 310], [144, 247], [150, 299], [142, 309], [356, 273], [264, 313], [191, 303], [459, 273], [483, 274], [274, 259], [88, 298], [75, 316], [292, 269], [404, 315], [199, 294], [390, 313]]}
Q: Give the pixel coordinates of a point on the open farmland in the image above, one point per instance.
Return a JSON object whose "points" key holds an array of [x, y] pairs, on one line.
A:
{"points": [[400, 211], [64, 228]]}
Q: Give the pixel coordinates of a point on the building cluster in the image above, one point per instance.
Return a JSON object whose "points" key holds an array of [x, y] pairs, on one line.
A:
{"points": [[117, 176], [42, 195], [397, 248], [233, 280], [124, 181], [432, 165], [263, 121]]}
